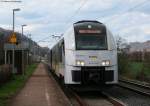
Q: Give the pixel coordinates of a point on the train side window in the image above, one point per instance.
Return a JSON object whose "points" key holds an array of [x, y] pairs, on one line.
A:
{"points": [[60, 53], [63, 48]]}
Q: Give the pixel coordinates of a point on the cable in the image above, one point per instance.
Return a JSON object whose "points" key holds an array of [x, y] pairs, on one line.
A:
{"points": [[43, 39], [76, 12], [130, 9], [85, 1]]}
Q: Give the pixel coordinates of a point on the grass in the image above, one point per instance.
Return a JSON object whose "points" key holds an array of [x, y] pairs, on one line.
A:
{"points": [[15, 84], [147, 71], [135, 69]]}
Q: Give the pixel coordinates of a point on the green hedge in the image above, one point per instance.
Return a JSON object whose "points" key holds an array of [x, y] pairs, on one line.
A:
{"points": [[123, 63]]}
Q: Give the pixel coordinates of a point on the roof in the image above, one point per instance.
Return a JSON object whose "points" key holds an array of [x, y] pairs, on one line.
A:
{"points": [[94, 21]]}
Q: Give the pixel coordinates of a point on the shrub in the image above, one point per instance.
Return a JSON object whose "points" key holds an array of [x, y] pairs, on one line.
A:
{"points": [[5, 73], [135, 56], [123, 63]]}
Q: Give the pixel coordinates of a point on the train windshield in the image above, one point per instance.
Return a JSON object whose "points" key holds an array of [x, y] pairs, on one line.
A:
{"points": [[93, 40]]}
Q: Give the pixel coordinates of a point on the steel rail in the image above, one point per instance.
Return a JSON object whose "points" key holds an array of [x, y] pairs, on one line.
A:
{"points": [[113, 100], [138, 88]]}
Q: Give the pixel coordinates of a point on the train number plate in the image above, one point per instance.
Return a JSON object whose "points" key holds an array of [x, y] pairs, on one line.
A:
{"points": [[93, 58]]}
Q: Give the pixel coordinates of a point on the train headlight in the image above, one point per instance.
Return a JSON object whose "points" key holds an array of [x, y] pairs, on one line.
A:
{"points": [[103, 63], [80, 63], [106, 63]]}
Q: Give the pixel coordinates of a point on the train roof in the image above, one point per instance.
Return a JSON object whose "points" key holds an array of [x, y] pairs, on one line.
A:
{"points": [[93, 21]]}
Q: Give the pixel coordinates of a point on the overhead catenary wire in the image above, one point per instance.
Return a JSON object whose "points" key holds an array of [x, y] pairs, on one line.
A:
{"points": [[44, 39], [128, 10], [76, 12], [85, 2]]}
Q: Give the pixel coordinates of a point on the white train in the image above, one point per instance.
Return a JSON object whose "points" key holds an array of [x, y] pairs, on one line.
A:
{"points": [[85, 55]]}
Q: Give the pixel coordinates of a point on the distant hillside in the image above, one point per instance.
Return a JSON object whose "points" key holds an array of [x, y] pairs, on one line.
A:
{"points": [[6, 33], [139, 46], [34, 47]]}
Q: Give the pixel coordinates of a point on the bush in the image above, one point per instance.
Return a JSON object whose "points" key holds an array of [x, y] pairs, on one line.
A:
{"points": [[144, 75], [135, 65], [135, 56], [5, 73], [147, 60], [123, 63]]}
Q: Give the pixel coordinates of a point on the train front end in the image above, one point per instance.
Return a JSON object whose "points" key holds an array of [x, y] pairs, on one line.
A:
{"points": [[91, 57]]}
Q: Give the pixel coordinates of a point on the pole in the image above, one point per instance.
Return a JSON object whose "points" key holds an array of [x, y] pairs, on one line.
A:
{"points": [[13, 20], [28, 49], [23, 54], [23, 73], [13, 59], [13, 52], [28, 60]]}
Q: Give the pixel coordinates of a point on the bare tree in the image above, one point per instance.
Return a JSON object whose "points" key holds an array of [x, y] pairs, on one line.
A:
{"points": [[121, 44]]}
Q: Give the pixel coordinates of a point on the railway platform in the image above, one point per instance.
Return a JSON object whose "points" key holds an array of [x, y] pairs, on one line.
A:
{"points": [[40, 90]]}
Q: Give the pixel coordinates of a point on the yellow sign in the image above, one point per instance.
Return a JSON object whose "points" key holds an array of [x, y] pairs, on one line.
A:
{"points": [[13, 38]]}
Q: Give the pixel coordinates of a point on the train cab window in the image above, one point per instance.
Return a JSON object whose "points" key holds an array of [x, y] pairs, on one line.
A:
{"points": [[90, 36], [91, 41]]}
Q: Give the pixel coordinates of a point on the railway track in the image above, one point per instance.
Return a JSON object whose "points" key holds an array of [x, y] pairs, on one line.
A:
{"points": [[134, 86], [104, 99], [77, 100], [89, 99], [96, 99]]}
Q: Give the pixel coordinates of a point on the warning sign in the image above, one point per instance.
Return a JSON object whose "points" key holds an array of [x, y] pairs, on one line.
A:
{"points": [[13, 38]]}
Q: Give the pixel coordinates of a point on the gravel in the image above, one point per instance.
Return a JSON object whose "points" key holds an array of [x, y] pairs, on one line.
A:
{"points": [[130, 98]]}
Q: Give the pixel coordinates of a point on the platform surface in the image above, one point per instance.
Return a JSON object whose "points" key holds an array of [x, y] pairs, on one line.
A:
{"points": [[40, 90]]}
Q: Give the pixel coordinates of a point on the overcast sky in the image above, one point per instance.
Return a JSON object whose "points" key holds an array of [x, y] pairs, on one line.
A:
{"points": [[128, 18]]}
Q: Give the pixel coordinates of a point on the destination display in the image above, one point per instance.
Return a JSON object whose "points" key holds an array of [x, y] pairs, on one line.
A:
{"points": [[89, 31]]}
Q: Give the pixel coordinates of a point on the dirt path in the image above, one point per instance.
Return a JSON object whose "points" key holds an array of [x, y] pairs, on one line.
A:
{"points": [[40, 90]]}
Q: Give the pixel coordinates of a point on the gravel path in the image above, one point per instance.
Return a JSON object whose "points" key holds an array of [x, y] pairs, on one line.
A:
{"points": [[40, 90]]}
